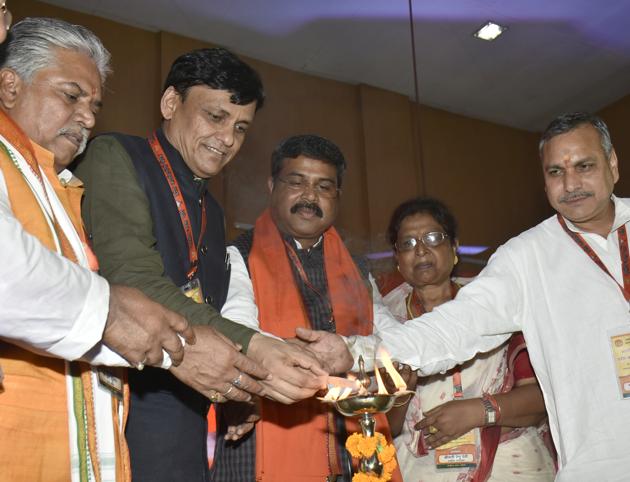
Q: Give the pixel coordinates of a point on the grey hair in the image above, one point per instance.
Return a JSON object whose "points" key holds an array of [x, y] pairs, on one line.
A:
{"points": [[32, 41], [567, 122]]}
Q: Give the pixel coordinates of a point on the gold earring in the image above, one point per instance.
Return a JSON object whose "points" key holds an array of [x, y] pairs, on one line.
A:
{"points": [[456, 260]]}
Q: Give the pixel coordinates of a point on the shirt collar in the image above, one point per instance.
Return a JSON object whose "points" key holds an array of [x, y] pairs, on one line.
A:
{"points": [[179, 166], [299, 246]]}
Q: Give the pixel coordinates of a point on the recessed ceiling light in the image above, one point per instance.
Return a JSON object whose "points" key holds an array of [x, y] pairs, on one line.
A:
{"points": [[489, 31]]}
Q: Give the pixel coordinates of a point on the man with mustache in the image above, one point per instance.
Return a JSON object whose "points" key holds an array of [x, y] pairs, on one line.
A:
{"points": [[298, 273], [565, 284], [155, 225], [61, 420]]}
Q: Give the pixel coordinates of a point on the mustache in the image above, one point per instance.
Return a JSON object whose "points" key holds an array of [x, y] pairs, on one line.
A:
{"points": [[572, 196], [306, 205], [81, 132]]}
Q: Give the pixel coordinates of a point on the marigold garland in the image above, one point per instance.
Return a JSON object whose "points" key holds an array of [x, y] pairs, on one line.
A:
{"points": [[361, 446]]}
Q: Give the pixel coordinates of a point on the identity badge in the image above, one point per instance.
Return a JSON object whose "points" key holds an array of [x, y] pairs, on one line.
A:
{"points": [[109, 379], [192, 289], [620, 347], [461, 452]]}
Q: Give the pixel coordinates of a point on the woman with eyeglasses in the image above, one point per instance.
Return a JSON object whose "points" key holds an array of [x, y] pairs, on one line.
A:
{"points": [[489, 412]]}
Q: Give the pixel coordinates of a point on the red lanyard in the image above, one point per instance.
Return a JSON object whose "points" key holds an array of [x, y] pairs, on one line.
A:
{"points": [[458, 390], [300, 269], [193, 248], [622, 235]]}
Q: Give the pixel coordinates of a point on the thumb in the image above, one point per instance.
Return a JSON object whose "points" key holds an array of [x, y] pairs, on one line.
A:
{"points": [[307, 334]]}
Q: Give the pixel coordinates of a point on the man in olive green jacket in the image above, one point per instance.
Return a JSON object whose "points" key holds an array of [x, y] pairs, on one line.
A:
{"points": [[154, 225]]}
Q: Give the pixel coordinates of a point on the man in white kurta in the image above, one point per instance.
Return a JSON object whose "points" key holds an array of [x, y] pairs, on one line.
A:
{"points": [[49, 92], [544, 284]]}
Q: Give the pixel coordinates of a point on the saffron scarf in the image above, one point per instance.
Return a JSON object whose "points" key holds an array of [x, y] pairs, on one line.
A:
{"points": [[31, 373], [298, 442]]}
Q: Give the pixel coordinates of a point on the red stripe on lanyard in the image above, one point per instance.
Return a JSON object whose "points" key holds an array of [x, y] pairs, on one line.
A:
{"points": [[167, 170], [300, 269], [622, 235]]}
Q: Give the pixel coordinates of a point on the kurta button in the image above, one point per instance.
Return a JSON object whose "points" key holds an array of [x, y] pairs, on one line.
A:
{"points": [[209, 300], [204, 249]]}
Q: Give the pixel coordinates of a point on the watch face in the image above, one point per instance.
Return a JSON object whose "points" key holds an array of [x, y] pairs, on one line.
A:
{"points": [[491, 416]]}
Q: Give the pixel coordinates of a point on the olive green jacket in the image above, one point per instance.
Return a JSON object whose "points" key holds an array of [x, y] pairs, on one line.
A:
{"points": [[117, 217]]}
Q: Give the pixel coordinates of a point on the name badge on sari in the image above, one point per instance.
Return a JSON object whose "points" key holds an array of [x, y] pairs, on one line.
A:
{"points": [[192, 289], [620, 349], [461, 452]]}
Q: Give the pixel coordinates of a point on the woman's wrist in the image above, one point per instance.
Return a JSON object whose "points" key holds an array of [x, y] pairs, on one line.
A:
{"points": [[492, 410]]}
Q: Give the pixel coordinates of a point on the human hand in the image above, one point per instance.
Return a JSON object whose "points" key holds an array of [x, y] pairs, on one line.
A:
{"points": [[215, 368], [329, 348], [451, 420], [296, 373], [241, 418], [409, 376], [138, 328]]}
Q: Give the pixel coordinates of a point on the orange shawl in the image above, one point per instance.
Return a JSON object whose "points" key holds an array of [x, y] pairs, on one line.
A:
{"points": [[33, 404], [293, 442]]}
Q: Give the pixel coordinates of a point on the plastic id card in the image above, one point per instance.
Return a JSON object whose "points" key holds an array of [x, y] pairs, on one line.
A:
{"points": [[192, 289], [461, 452], [620, 348]]}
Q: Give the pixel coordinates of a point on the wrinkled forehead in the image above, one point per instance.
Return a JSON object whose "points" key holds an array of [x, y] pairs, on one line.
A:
{"points": [[582, 142], [308, 167]]}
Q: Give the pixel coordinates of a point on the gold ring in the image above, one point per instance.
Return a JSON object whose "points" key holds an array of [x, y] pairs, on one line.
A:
{"points": [[432, 429], [215, 397], [228, 391]]}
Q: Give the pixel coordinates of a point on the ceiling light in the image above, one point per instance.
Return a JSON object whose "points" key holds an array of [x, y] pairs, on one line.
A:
{"points": [[489, 31]]}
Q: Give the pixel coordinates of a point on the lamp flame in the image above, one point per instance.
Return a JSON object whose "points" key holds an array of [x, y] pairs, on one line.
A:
{"points": [[399, 383], [340, 388]]}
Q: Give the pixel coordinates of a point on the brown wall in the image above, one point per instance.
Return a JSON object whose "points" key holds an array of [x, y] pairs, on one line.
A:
{"points": [[616, 116], [488, 174]]}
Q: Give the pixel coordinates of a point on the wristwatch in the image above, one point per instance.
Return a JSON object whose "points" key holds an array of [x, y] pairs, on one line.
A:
{"points": [[491, 412]]}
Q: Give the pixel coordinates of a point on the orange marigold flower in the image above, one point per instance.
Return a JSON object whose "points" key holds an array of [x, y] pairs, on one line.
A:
{"points": [[367, 446], [386, 453], [390, 466], [352, 444], [361, 477]]}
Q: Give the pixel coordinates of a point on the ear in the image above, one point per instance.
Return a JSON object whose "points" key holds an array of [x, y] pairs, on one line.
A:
{"points": [[10, 87], [270, 184], [169, 103], [613, 163]]}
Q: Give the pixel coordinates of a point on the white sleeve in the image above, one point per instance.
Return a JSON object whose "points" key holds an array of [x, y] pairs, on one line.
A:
{"points": [[49, 304], [482, 317], [240, 305]]}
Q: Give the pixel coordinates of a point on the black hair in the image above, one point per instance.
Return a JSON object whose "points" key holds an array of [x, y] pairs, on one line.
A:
{"points": [[426, 205], [308, 145], [218, 69], [567, 122]]}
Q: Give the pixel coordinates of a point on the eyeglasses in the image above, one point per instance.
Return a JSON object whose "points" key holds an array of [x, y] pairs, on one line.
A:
{"points": [[430, 240], [326, 189]]}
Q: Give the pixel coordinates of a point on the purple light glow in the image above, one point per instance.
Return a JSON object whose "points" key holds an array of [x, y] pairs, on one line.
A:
{"points": [[464, 250]]}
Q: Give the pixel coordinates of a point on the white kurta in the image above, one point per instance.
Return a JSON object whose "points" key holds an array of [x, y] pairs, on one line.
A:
{"points": [[542, 283]]}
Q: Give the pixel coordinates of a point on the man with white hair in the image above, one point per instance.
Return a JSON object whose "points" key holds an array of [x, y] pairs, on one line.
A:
{"points": [[61, 420]]}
